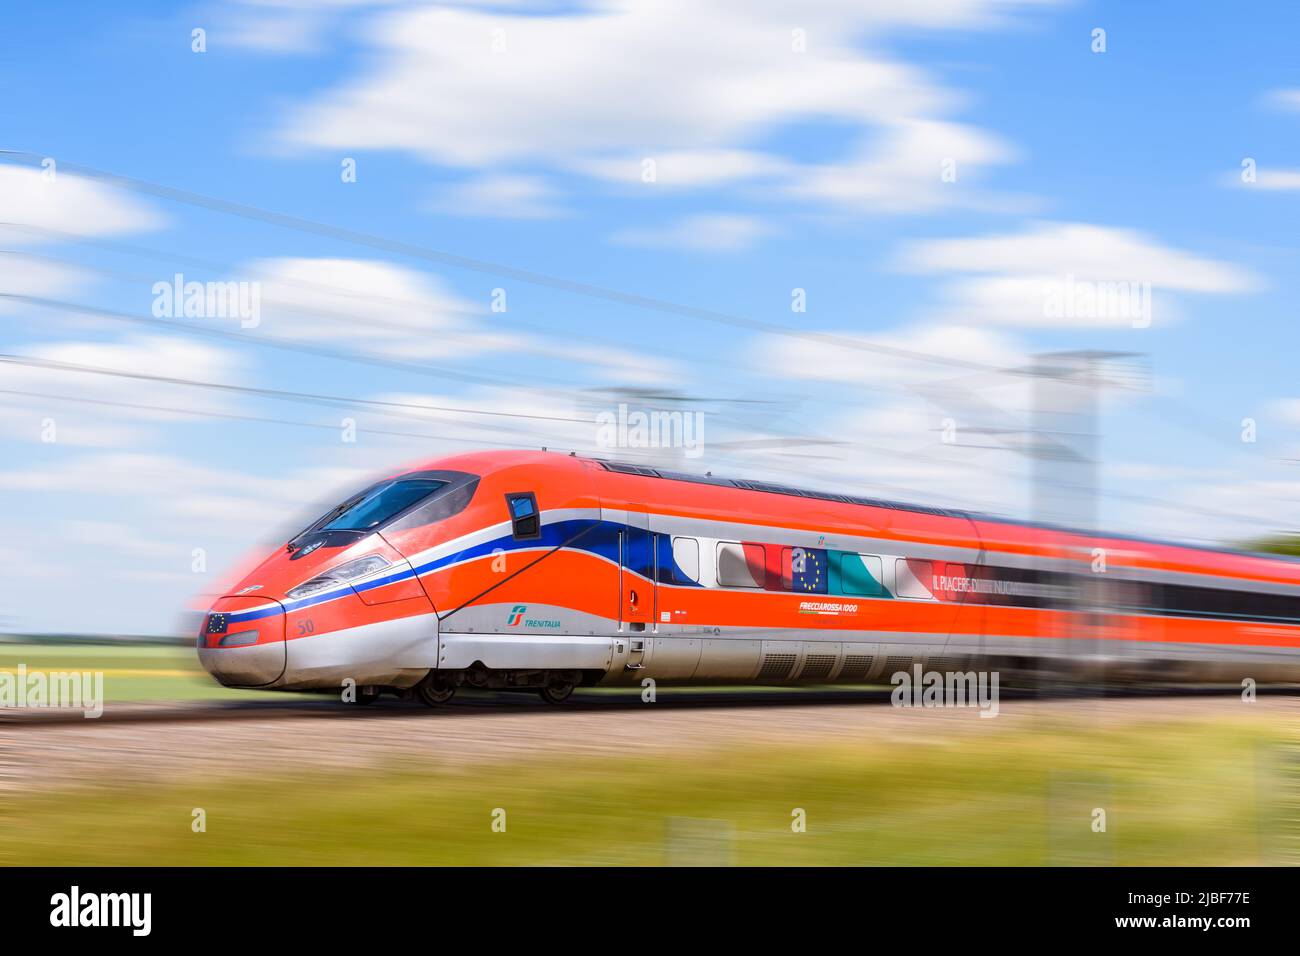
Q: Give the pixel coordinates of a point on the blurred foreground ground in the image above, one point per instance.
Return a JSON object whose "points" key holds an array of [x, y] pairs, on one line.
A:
{"points": [[131, 671], [690, 779]]}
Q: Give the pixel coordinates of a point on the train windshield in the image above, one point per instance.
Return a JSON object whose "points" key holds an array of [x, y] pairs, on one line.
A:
{"points": [[376, 505], [398, 504]]}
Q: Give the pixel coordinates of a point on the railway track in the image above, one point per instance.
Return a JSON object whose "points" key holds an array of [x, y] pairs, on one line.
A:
{"points": [[281, 706]]}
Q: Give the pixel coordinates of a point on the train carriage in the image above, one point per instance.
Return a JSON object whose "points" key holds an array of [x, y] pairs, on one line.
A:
{"points": [[545, 571]]}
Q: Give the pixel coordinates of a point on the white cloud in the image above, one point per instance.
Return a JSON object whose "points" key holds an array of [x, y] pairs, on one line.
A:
{"points": [[687, 167], [601, 89], [36, 207], [914, 165], [1287, 410], [559, 86], [1270, 178], [31, 392], [112, 536], [1285, 99], [403, 314], [280, 26], [175, 498], [1142, 471], [34, 202], [1087, 251], [1229, 509], [510, 196], [388, 310], [510, 417], [912, 428], [126, 526], [610, 364], [891, 448], [941, 434], [1057, 274], [28, 275], [407, 315], [705, 233], [829, 360]]}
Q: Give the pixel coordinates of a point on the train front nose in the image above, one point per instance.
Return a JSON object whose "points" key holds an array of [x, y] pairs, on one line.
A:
{"points": [[241, 642]]}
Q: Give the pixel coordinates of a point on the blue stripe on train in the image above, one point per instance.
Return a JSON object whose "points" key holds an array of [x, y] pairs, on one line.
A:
{"points": [[580, 534]]}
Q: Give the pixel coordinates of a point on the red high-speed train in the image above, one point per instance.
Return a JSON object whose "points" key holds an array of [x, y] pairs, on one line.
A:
{"points": [[540, 570]]}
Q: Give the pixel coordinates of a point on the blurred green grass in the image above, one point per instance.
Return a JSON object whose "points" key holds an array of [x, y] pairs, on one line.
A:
{"points": [[1185, 792], [132, 672], [169, 672]]}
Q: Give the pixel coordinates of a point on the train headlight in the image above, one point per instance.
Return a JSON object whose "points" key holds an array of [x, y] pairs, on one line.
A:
{"points": [[344, 573]]}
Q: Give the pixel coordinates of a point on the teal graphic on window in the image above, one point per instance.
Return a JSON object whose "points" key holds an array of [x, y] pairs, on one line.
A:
{"points": [[860, 575]]}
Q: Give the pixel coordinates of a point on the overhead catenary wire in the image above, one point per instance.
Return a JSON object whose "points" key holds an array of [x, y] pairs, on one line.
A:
{"points": [[358, 237], [527, 276], [253, 419], [1185, 416], [388, 408], [560, 442], [417, 411], [272, 342], [54, 365], [506, 318]]}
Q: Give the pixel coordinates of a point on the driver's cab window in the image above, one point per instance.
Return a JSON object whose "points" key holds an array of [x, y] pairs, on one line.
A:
{"points": [[525, 519]]}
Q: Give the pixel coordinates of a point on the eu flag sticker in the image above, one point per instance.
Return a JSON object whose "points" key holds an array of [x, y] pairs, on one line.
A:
{"points": [[808, 570]]}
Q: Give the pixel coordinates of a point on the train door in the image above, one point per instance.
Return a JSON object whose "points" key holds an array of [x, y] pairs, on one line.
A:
{"points": [[636, 574]]}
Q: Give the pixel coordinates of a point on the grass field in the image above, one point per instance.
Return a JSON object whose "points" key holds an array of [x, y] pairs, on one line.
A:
{"points": [[1181, 793], [164, 672], [131, 672]]}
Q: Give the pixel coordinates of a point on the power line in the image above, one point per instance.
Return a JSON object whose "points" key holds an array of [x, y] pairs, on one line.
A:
{"points": [[314, 397], [558, 442], [290, 346], [390, 409], [227, 267], [230, 416], [386, 408], [440, 371], [530, 277]]}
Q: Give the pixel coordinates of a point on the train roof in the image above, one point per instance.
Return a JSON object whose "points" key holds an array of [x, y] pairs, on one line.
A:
{"points": [[745, 484], [479, 461], [628, 468]]}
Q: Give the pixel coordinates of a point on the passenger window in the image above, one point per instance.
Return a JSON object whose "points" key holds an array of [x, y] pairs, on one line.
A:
{"points": [[525, 520], [686, 561], [741, 565], [913, 579], [860, 574]]}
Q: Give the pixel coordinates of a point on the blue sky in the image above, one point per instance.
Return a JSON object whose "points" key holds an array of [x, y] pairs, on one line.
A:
{"points": [[518, 136]]}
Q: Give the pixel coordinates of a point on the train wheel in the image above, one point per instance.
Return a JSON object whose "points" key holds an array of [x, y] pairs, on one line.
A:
{"points": [[434, 691], [556, 692]]}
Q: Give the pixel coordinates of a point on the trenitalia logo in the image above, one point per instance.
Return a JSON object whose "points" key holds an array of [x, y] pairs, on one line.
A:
{"points": [[517, 617]]}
